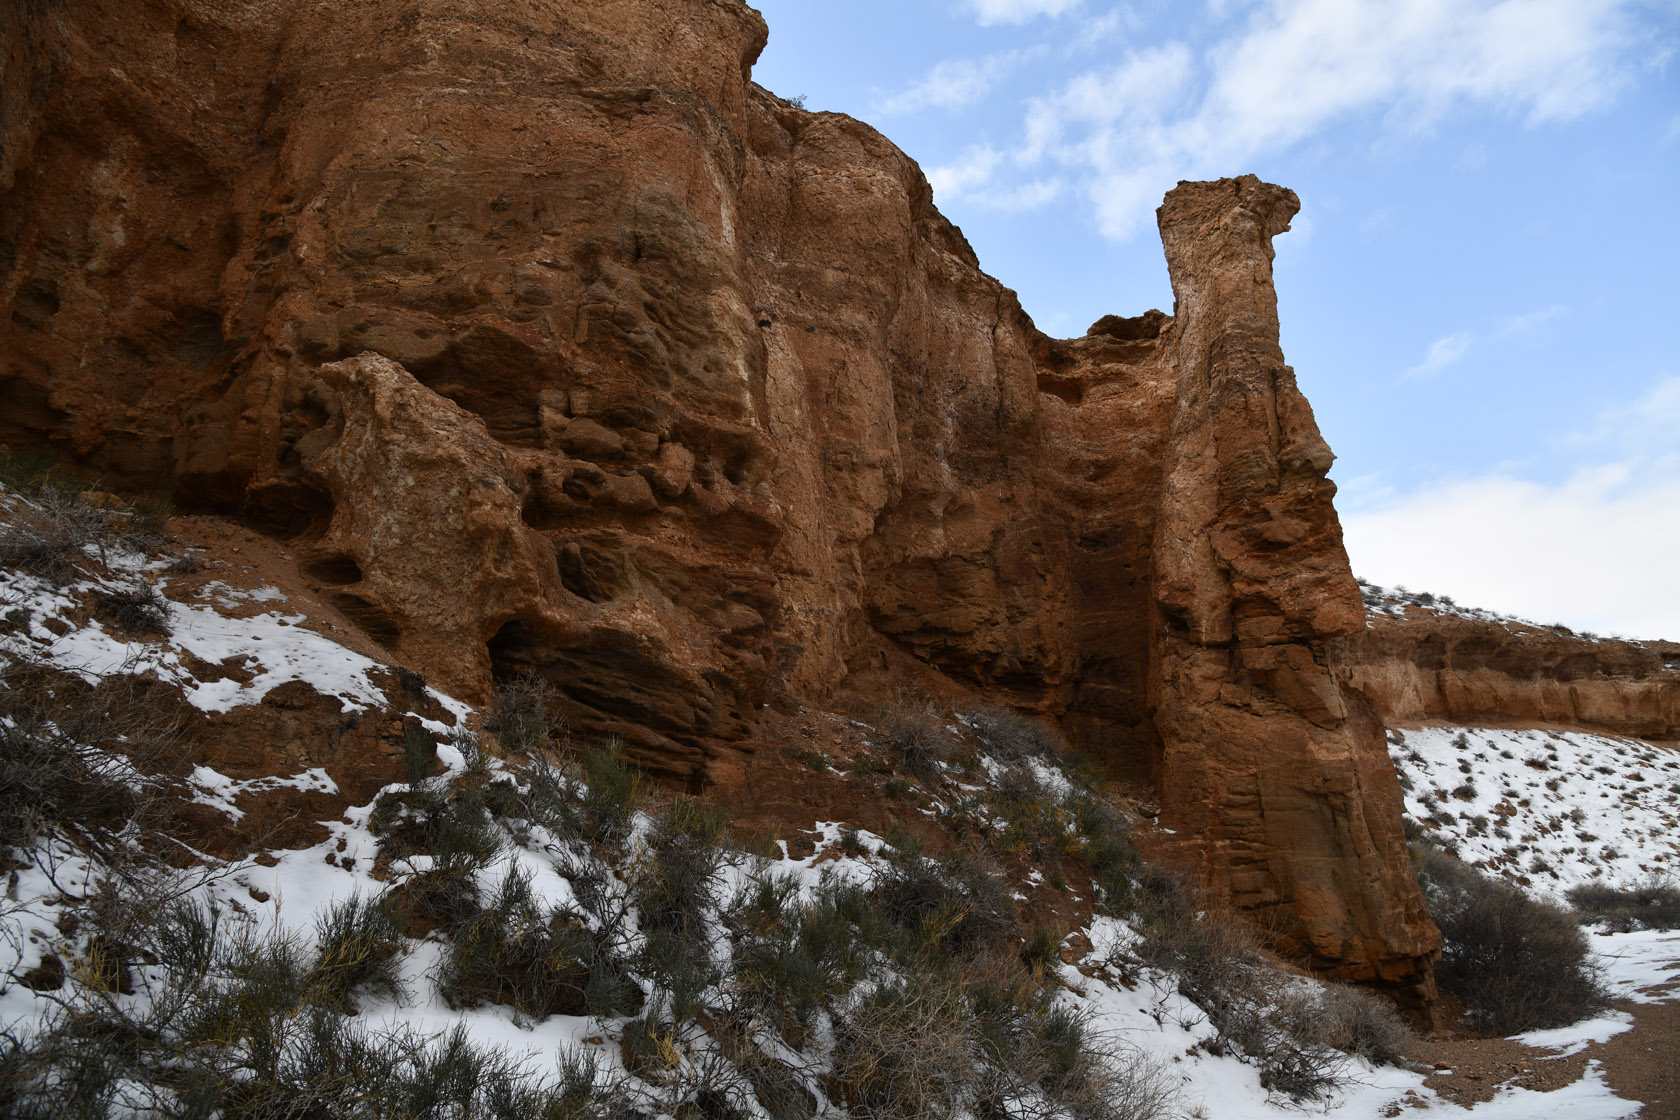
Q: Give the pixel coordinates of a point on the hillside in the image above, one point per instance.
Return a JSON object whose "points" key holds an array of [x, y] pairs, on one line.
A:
{"points": [[546, 343], [1052, 894], [1144, 1009]]}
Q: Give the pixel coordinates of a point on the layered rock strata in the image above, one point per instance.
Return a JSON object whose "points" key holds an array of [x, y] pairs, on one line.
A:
{"points": [[556, 346], [1432, 665], [1261, 752]]}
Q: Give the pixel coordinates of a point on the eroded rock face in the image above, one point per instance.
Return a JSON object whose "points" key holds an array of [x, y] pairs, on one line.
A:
{"points": [[1261, 751], [559, 347], [1433, 665]]}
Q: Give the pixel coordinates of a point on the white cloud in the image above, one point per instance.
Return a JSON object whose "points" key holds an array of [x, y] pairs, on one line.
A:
{"points": [[1027, 196], [1647, 427], [954, 83], [1294, 67], [1595, 551], [972, 170], [1377, 222], [992, 12], [1527, 323], [1443, 352]]}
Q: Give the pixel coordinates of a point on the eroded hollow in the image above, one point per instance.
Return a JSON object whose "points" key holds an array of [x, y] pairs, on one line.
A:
{"points": [[339, 570], [372, 620]]}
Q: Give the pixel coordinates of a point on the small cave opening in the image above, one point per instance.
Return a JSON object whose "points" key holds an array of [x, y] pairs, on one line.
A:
{"points": [[27, 415], [287, 510], [1135, 328], [513, 651], [370, 619], [199, 341], [1062, 388], [35, 303], [337, 569]]}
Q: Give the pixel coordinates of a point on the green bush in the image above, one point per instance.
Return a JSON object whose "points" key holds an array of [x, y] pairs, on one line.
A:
{"points": [[796, 958], [419, 753], [540, 961], [358, 949], [613, 787], [443, 895], [676, 878], [448, 820]]}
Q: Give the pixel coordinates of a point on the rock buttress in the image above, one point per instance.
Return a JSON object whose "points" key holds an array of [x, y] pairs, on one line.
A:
{"points": [[1284, 783]]}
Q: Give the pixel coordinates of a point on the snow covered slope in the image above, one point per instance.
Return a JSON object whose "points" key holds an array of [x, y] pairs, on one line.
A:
{"points": [[1161, 1040], [1548, 810]]}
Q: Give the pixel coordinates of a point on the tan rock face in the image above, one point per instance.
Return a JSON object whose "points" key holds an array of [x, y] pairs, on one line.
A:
{"points": [[1436, 666], [558, 347]]}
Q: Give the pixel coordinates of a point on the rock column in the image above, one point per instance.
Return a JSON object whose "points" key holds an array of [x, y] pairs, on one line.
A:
{"points": [[1283, 780]]}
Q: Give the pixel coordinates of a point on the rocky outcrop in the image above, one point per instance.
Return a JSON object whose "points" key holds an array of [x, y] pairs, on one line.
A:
{"points": [[553, 345], [1417, 664], [1251, 588]]}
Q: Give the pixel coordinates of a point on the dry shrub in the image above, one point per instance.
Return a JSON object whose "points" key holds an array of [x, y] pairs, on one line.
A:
{"points": [[49, 537], [959, 904], [1295, 1034], [1652, 904], [520, 718], [52, 530], [916, 736], [1011, 737], [1362, 1024], [906, 1051], [1517, 963], [76, 759], [141, 611]]}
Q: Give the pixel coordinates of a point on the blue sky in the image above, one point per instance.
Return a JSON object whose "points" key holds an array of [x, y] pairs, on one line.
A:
{"points": [[1480, 294]]}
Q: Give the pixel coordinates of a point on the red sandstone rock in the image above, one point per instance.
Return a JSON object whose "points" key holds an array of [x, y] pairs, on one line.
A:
{"points": [[556, 346], [1261, 752], [1433, 665]]}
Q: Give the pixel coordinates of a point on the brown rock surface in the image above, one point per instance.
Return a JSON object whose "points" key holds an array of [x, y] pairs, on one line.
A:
{"points": [[1435, 665], [549, 343], [1261, 753]]}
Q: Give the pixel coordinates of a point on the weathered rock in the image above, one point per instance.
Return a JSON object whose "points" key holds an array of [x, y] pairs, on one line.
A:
{"points": [[561, 348], [1261, 753], [1434, 665]]}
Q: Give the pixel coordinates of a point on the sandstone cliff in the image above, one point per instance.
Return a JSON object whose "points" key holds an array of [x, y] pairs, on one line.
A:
{"points": [[1421, 661], [557, 346]]}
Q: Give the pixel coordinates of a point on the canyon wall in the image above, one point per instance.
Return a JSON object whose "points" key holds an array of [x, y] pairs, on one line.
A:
{"points": [[556, 346], [1417, 665]]}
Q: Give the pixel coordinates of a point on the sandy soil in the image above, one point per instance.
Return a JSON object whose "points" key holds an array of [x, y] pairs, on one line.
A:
{"points": [[1640, 1064]]}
